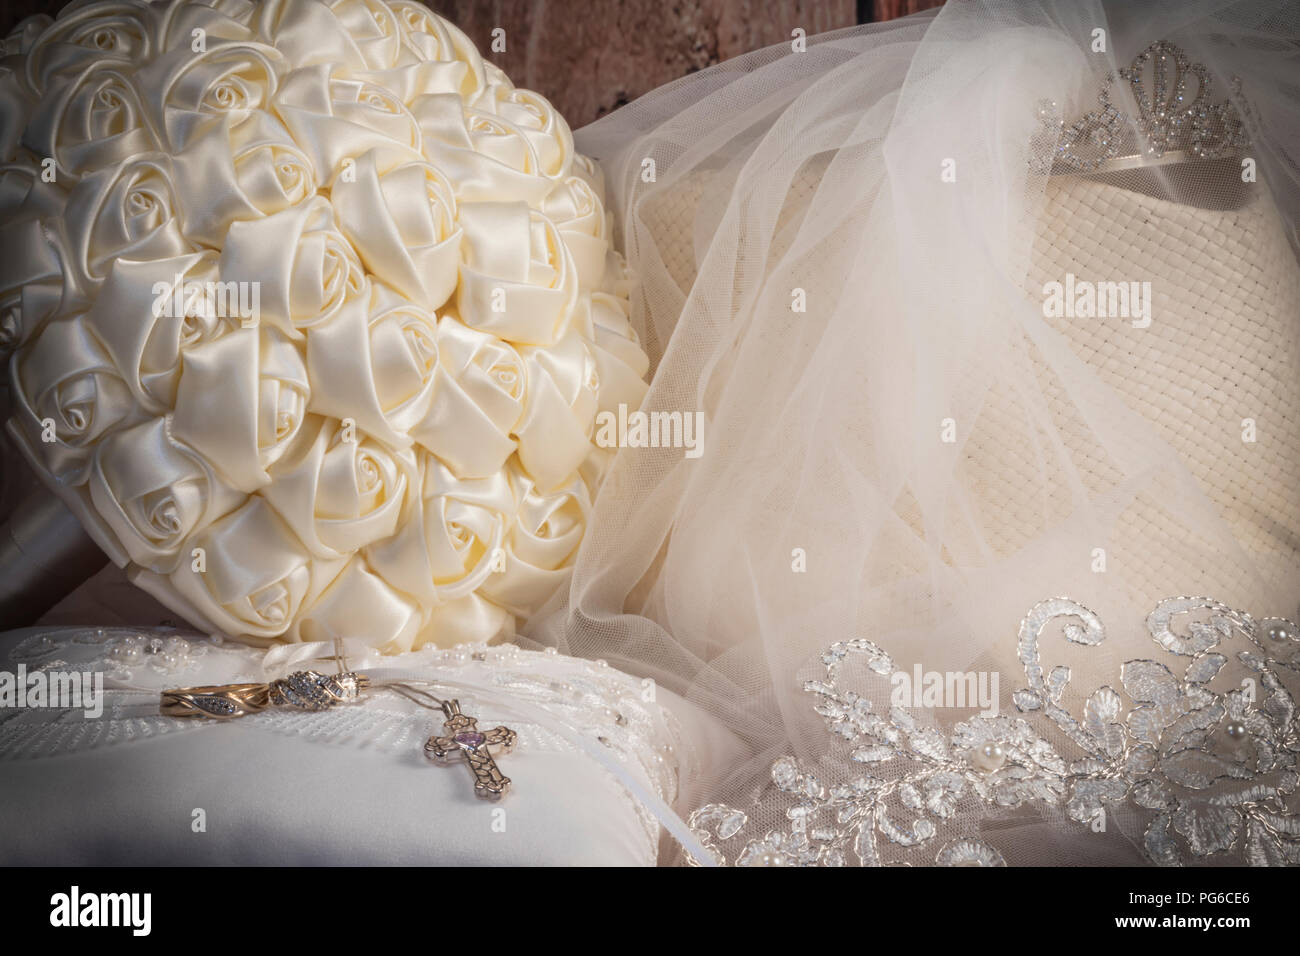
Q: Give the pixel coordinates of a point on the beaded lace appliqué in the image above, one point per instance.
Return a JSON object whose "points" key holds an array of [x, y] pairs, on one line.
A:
{"points": [[1211, 773]]}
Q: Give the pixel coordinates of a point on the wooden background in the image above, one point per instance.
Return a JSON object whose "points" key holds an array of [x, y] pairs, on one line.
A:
{"points": [[591, 56]]}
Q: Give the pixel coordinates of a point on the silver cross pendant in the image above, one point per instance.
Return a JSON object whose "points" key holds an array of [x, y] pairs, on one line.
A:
{"points": [[461, 737]]}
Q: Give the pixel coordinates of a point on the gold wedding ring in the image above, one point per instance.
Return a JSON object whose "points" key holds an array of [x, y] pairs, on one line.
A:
{"points": [[219, 701], [302, 690]]}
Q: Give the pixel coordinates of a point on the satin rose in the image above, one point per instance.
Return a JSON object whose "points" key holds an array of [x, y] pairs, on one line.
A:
{"points": [[251, 575], [533, 117], [542, 544], [32, 279], [152, 492], [518, 280], [555, 431], [336, 118], [478, 401], [149, 313], [621, 363], [96, 121], [237, 168], [454, 64], [68, 394], [226, 77], [358, 601], [272, 173], [240, 402], [381, 359], [449, 545], [576, 211], [373, 28], [305, 269], [401, 218], [343, 491], [485, 156], [358, 34], [127, 211], [311, 312], [118, 32]]}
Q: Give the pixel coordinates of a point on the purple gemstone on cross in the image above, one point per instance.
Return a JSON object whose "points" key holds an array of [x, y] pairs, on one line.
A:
{"points": [[465, 741]]}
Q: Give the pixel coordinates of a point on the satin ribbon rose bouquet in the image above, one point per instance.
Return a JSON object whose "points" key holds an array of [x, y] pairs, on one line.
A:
{"points": [[311, 313]]}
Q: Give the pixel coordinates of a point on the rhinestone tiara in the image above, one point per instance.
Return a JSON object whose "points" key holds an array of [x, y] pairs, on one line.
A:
{"points": [[1167, 126]]}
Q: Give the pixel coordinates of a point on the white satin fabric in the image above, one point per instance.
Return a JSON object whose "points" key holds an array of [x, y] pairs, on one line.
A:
{"points": [[312, 313]]}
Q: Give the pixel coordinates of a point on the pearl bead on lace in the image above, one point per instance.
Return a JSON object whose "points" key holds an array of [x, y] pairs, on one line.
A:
{"points": [[988, 757], [770, 858]]}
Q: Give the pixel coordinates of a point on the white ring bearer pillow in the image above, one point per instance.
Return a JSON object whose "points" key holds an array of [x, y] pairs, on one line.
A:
{"points": [[599, 763]]}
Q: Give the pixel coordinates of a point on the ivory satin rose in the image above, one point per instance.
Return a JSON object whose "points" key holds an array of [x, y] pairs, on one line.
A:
{"points": [[146, 343], [69, 391], [542, 542], [517, 279], [305, 269], [32, 280], [309, 313], [125, 211], [478, 402], [241, 400], [96, 121], [238, 167], [340, 495], [152, 492], [412, 245]]}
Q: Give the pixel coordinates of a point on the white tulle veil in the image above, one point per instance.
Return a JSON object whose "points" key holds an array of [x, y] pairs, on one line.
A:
{"points": [[918, 456]]}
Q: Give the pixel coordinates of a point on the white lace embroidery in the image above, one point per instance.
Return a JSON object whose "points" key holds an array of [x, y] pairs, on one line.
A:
{"points": [[1212, 774]]}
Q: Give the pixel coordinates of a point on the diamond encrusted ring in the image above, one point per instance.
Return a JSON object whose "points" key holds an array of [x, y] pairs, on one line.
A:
{"points": [[304, 690]]}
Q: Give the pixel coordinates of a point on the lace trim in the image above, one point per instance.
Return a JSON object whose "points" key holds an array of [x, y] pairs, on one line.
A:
{"points": [[1210, 773]]}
